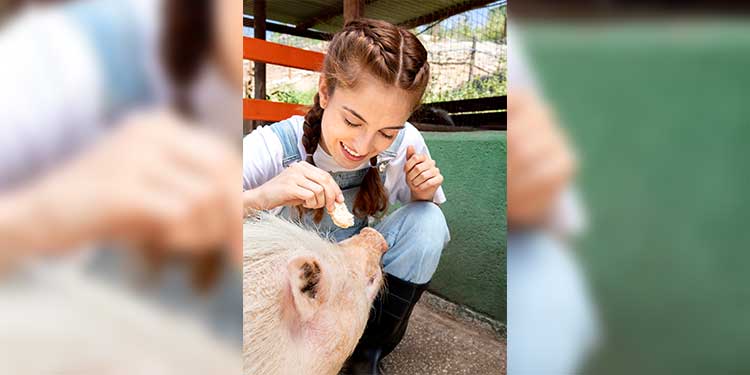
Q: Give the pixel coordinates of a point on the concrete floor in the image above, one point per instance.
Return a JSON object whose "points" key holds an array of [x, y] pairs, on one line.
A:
{"points": [[437, 344]]}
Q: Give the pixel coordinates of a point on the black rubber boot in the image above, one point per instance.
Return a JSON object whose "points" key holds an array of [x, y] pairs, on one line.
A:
{"points": [[386, 326]]}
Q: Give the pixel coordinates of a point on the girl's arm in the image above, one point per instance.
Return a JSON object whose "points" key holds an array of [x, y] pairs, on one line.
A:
{"points": [[165, 192], [268, 185], [252, 200], [299, 184]]}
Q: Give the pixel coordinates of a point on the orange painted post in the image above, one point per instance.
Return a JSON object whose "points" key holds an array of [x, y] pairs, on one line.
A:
{"points": [[254, 109], [262, 51], [279, 54]]}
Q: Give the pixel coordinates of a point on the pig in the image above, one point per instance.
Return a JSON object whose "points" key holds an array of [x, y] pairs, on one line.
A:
{"points": [[306, 298], [62, 320]]}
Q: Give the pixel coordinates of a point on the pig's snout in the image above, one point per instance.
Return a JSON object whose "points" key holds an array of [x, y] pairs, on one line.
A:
{"points": [[373, 240]]}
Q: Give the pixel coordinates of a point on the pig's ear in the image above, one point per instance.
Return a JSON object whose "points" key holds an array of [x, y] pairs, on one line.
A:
{"points": [[309, 285]]}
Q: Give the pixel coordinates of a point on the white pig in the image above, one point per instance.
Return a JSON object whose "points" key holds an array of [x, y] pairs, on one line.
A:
{"points": [[59, 320], [306, 299]]}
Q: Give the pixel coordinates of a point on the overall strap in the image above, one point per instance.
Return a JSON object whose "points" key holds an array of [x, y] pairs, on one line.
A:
{"points": [[288, 137], [112, 29]]}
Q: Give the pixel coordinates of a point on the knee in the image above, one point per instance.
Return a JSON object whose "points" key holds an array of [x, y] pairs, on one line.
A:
{"points": [[426, 223], [417, 234]]}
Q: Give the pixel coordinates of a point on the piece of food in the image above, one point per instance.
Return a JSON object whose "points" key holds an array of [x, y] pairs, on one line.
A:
{"points": [[341, 216]]}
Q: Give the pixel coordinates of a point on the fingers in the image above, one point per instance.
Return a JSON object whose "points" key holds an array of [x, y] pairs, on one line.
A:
{"points": [[414, 160], [424, 176], [548, 176], [209, 214], [430, 184], [199, 169], [541, 161], [409, 152], [331, 190], [317, 199], [419, 169]]}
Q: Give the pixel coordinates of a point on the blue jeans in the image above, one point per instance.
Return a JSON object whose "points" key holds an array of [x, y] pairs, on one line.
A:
{"points": [[416, 234], [552, 325]]}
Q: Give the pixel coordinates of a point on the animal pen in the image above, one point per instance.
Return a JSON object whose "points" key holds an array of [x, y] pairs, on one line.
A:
{"points": [[462, 119], [465, 41]]}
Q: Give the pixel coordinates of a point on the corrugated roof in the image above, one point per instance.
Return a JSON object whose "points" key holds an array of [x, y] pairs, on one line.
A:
{"points": [[326, 15]]}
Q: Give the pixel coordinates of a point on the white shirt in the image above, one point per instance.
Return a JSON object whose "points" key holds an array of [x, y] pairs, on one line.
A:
{"points": [[263, 157], [54, 84]]}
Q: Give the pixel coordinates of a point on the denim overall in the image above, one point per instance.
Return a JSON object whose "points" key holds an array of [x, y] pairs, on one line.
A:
{"points": [[416, 233]]}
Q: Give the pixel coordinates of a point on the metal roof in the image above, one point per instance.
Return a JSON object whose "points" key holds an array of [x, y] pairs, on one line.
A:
{"points": [[327, 15]]}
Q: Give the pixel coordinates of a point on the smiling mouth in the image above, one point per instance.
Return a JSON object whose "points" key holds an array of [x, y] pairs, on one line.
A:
{"points": [[351, 154]]}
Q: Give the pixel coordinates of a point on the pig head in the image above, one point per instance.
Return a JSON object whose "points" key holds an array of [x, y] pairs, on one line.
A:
{"points": [[306, 298]]}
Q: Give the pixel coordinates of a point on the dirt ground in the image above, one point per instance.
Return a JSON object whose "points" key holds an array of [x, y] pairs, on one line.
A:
{"points": [[437, 344]]}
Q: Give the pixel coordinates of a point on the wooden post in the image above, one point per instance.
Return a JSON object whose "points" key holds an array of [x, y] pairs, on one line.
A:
{"points": [[259, 74], [353, 9], [473, 54]]}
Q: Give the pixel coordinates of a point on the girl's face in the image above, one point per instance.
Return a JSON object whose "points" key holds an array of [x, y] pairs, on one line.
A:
{"points": [[359, 123]]}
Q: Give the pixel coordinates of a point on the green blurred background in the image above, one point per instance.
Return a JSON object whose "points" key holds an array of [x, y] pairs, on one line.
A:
{"points": [[660, 114]]}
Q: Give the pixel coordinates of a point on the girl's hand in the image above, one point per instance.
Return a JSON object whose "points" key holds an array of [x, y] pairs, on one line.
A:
{"points": [[300, 183], [154, 180], [541, 162], [422, 176]]}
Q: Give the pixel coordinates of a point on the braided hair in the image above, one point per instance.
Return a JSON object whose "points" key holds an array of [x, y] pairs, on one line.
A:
{"points": [[186, 45]]}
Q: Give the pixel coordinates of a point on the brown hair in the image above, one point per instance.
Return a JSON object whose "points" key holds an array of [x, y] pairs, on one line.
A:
{"points": [[186, 45], [389, 53]]}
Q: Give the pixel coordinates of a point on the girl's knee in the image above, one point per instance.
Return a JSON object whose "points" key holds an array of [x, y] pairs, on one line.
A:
{"points": [[426, 215], [426, 226]]}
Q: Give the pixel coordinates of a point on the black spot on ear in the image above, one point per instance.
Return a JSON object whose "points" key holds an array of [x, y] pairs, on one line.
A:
{"points": [[310, 277]]}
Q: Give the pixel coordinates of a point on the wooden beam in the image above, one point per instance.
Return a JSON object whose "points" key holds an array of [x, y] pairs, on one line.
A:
{"points": [[445, 13], [426, 127], [328, 14], [279, 54], [254, 109], [353, 9], [259, 68], [249, 21], [482, 119], [471, 105]]}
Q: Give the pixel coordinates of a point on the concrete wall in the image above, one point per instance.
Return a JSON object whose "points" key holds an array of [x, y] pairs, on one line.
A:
{"points": [[472, 268]]}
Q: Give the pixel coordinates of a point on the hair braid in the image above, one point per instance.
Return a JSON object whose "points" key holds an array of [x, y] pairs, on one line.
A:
{"points": [[310, 140]]}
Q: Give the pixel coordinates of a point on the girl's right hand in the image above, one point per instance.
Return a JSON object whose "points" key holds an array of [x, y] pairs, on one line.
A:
{"points": [[299, 184], [153, 180]]}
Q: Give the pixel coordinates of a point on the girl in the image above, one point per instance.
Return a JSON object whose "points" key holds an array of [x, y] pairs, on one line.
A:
{"points": [[355, 146]]}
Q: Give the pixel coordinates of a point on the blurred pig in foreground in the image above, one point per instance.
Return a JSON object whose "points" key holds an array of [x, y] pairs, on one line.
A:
{"points": [[307, 299], [61, 321]]}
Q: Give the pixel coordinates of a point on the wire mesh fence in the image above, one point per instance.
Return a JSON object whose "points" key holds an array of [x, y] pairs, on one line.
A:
{"points": [[467, 55]]}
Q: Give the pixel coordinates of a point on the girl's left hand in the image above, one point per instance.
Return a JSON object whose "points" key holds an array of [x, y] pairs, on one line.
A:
{"points": [[422, 176]]}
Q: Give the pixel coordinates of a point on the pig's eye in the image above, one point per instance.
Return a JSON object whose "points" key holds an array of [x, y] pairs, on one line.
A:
{"points": [[372, 280]]}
